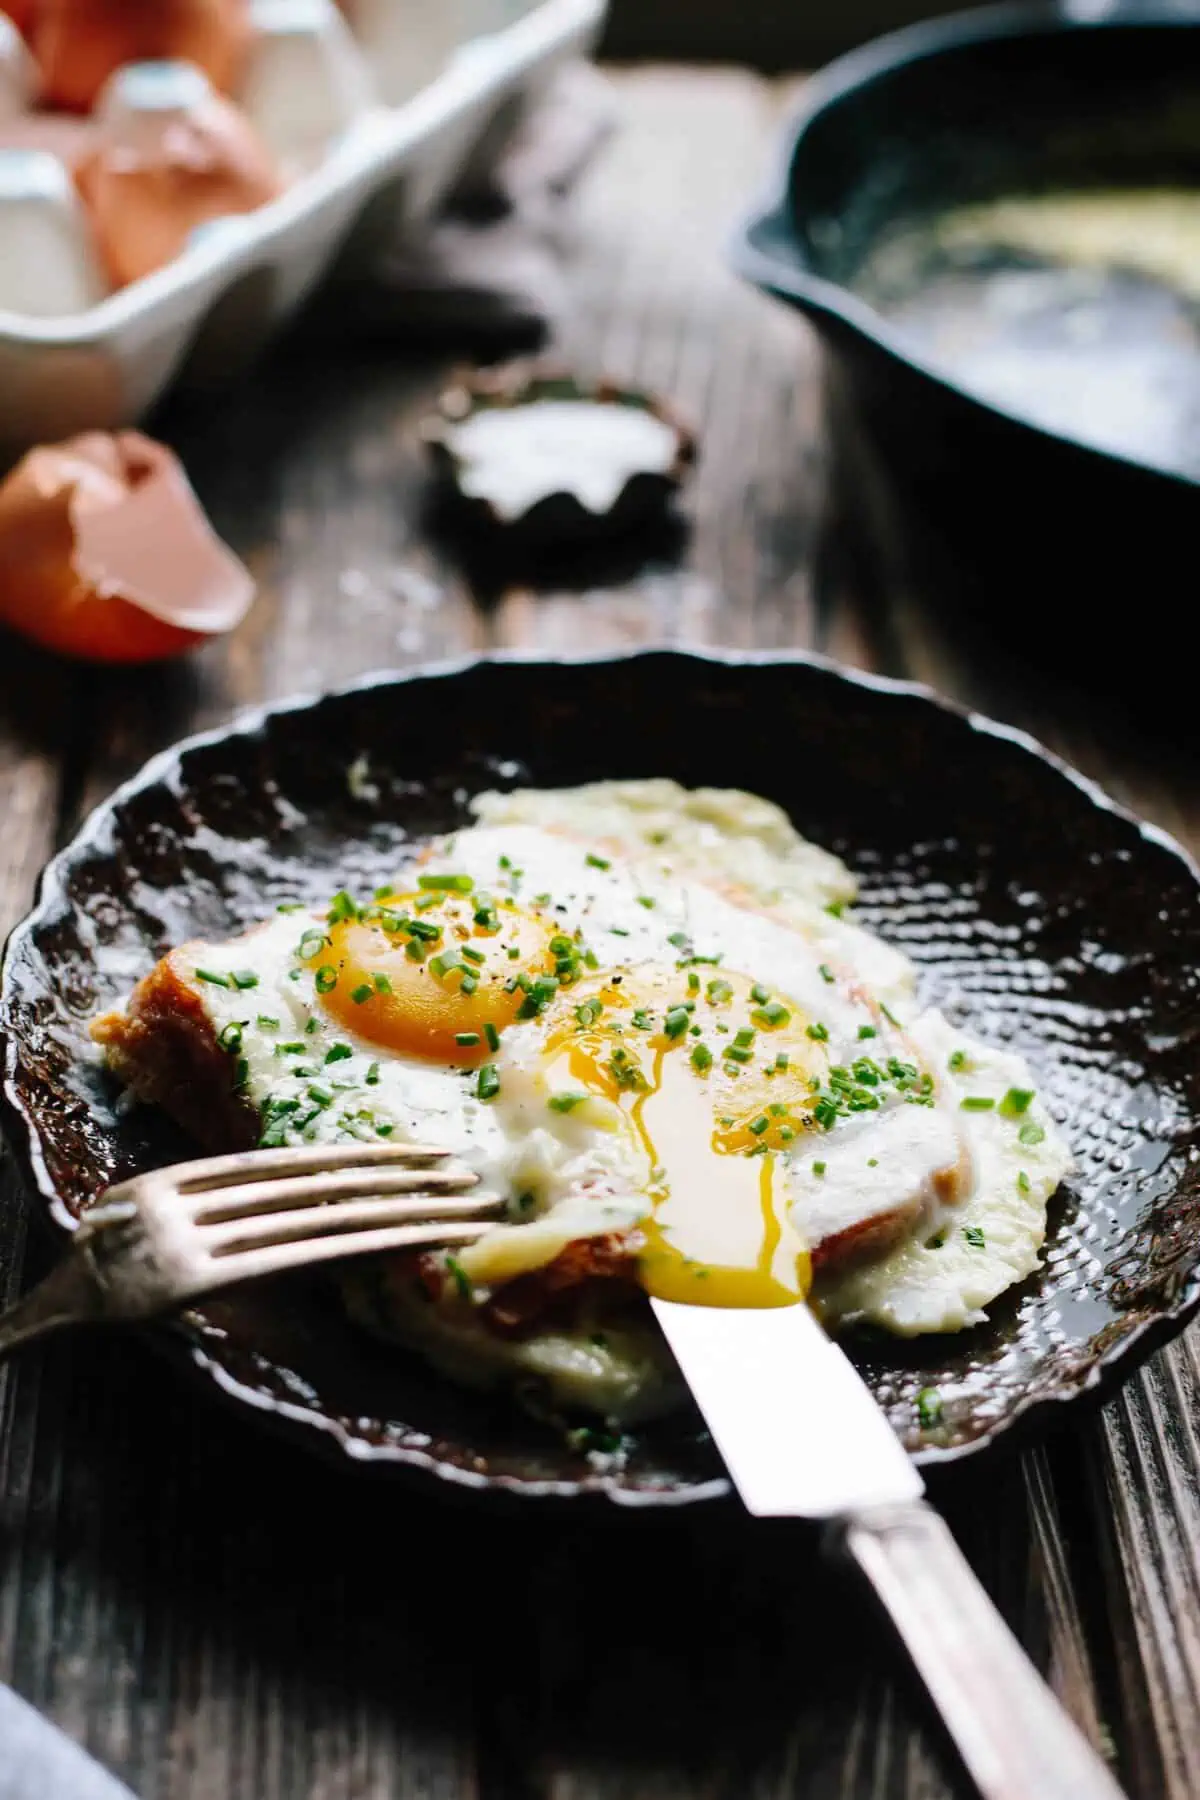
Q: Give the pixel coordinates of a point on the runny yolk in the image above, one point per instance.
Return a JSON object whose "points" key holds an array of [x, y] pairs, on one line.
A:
{"points": [[439, 981], [710, 1130]]}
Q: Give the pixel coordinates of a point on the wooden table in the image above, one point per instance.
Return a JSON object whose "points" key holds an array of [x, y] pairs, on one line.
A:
{"points": [[220, 1620]]}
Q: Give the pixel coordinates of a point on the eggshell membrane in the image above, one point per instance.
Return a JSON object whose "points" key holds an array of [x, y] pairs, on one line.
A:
{"points": [[79, 43], [145, 206], [106, 555]]}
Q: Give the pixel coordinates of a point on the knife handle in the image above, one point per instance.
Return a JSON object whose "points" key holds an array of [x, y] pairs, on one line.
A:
{"points": [[1015, 1739]]}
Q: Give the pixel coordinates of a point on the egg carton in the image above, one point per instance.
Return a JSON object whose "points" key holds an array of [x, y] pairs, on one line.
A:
{"points": [[199, 320]]}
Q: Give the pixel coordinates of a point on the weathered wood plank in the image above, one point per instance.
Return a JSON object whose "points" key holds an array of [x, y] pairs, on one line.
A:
{"points": [[217, 1617]]}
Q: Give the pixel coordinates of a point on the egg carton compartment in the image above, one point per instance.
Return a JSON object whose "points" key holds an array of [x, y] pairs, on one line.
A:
{"points": [[370, 113]]}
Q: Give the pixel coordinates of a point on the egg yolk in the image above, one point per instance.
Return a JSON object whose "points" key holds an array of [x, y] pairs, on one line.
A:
{"points": [[437, 975], [715, 1078]]}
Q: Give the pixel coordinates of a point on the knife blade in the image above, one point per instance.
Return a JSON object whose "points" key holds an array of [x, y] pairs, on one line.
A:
{"points": [[803, 1438], [799, 1430]]}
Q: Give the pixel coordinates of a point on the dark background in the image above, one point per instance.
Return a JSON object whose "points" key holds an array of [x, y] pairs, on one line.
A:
{"points": [[770, 34]]}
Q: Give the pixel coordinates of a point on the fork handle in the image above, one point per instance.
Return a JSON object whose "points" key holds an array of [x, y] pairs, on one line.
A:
{"points": [[69, 1295], [1015, 1739]]}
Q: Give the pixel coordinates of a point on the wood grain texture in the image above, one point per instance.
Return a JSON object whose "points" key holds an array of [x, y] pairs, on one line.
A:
{"points": [[218, 1619]]}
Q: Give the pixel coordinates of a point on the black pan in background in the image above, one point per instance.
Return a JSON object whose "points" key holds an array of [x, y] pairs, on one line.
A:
{"points": [[1036, 912], [1022, 100]]}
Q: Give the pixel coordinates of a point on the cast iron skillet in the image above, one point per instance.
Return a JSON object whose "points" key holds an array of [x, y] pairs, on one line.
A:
{"points": [[1055, 96], [1037, 912]]}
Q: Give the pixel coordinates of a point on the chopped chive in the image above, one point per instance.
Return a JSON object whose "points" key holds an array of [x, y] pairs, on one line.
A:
{"points": [[1016, 1102], [977, 1103], [772, 1015], [872, 1162], [266, 1023], [462, 1280], [514, 952], [466, 1040], [445, 963], [818, 1032], [211, 976], [745, 1037], [475, 956], [469, 985], [241, 1073], [734, 1054], [701, 1057], [231, 1039], [326, 979], [825, 972], [492, 1035], [867, 1031], [693, 982], [311, 944], [416, 950], [320, 1095], [423, 929], [1031, 1132], [597, 862], [929, 1408], [759, 994], [446, 884], [759, 1125], [372, 1075], [782, 1062], [676, 1022], [384, 893], [361, 995], [344, 907], [975, 1237], [338, 1053], [244, 978], [381, 984], [648, 901], [680, 940], [488, 1084], [290, 906], [1022, 1182], [565, 1103], [718, 992], [818, 1168], [311, 1029], [957, 1061], [786, 1134]]}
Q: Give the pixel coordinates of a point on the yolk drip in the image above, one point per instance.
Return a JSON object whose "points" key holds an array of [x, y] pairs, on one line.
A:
{"points": [[708, 1123], [439, 981]]}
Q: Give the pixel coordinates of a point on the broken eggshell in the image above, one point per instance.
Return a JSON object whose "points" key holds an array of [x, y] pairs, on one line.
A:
{"points": [[556, 458], [173, 156], [106, 554], [81, 43]]}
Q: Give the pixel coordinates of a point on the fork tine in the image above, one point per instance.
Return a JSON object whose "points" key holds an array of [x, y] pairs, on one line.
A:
{"points": [[259, 1233], [280, 1259], [263, 1197], [274, 1165]]}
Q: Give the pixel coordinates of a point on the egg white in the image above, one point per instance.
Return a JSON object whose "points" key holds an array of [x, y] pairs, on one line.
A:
{"points": [[638, 868]]}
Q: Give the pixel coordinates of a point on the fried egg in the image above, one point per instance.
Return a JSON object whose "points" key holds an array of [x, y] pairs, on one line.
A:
{"points": [[641, 1016]]}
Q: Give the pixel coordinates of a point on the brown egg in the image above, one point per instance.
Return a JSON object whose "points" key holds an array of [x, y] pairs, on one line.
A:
{"points": [[79, 43], [156, 176], [22, 13], [105, 553]]}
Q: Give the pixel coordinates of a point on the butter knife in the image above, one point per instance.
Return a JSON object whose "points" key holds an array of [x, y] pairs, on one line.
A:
{"points": [[803, 1438]]}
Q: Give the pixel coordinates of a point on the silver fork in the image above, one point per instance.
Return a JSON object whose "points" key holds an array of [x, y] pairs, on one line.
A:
{"points": [[155, 1243]]}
